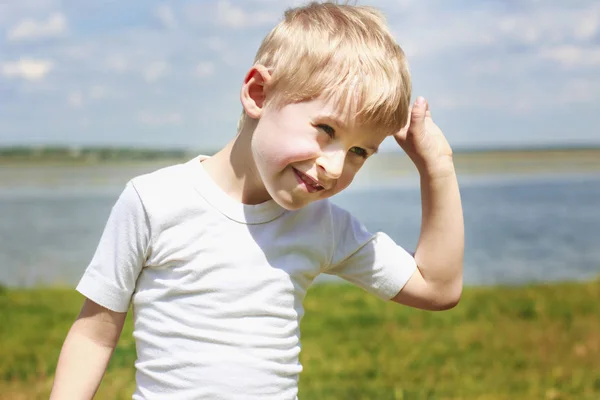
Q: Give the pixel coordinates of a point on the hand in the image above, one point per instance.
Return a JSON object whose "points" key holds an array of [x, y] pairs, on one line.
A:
{"points": [[424, 142]]}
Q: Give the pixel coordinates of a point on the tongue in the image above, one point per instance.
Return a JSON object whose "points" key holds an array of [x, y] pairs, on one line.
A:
{"points": [[309, 182]]}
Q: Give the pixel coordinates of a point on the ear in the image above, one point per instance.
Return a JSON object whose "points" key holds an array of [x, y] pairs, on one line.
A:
{"points": [[253, 90]]}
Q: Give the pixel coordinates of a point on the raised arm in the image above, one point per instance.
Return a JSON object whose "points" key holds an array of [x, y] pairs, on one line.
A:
{"points": [[437, 282], [86, 352]]}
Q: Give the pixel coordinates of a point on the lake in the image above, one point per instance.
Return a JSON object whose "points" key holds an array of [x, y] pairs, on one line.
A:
{"points": [[520, 228]]}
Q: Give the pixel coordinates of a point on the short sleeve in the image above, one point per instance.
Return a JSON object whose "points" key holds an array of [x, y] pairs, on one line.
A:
{"points": [[373, 262], [111, 276]]}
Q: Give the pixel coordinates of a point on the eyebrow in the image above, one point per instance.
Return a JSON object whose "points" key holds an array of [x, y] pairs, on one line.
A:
{"points": [[335, 120], [342, 125]]}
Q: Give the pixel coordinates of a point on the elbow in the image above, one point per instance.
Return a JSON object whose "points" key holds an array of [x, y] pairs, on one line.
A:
{"points": [[448, 298], [447, 304]]}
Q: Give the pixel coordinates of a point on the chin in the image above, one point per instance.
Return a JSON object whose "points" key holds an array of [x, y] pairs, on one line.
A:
{"points": [[289, 202], [292, 205]]}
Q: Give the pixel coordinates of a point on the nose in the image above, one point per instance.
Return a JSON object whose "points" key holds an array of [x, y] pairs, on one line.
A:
{"points": [[331, 162]]}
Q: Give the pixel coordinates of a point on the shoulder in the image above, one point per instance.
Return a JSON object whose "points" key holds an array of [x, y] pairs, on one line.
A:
{"points": [[156, 181], [166, 184], [166, 192]]}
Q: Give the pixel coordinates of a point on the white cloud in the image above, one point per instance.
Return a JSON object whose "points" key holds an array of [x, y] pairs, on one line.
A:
{"points": [[165, 15], [579, 90], [155, 71], [28, 69], [117, 63], [98, 92], [75, 99], [491, 66], [11, 11], [426, 33], [503, 60], [160, 119], [205, 69], [30, 29], [76, 51], [78, 98], [231, 16], [215, 43], [572, 56], [589, 25]]}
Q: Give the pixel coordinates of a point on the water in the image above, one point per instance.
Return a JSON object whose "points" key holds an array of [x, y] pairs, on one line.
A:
{"points": [[519, 229], [530, 229]]}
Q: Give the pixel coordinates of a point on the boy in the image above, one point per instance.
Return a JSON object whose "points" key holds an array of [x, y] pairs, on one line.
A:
{"points": [[215, 255]]}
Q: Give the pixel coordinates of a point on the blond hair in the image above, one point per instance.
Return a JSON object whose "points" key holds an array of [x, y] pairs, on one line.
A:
{"points": [[340, 52]]}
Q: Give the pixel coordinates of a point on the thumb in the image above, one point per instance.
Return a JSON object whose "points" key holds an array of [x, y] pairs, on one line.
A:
{"points": [[417, 115]]}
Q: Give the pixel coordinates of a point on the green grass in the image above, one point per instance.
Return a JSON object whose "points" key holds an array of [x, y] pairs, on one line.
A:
{"points": [[534, 342]]}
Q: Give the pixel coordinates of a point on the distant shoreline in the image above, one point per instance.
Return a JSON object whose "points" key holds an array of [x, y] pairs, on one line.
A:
{"points": [[493, 161], [383, 165], [88, 155], [107, 154]]}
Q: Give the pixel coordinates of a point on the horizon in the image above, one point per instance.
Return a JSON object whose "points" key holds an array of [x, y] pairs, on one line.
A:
{"points": [[133, 147]]}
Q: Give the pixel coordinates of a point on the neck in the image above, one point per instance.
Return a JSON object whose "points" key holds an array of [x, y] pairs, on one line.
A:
{"points": [[234, 170]]}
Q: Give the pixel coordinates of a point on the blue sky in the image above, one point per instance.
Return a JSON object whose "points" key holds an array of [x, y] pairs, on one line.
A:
{"points": [[167, 74]]}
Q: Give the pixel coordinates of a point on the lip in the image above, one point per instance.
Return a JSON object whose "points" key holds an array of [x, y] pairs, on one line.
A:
{"points": [[310, 184]]}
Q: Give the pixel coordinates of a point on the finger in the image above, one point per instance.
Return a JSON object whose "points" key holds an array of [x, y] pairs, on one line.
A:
{"points": [[408, 118], [417, 116], [402, 132]]}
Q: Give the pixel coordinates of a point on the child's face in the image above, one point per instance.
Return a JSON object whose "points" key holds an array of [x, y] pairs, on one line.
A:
{"points": [[303, 152]]}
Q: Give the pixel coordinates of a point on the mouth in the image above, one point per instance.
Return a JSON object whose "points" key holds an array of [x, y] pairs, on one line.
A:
{"points": [[309, 183]]}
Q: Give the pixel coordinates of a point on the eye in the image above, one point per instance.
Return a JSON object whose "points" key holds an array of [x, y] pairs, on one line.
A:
{"points": [[327, 129], [359, 151]]}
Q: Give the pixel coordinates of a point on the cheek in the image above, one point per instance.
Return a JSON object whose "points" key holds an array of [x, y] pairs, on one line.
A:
{"points": [[299, 149], [277, 155], [279, 149]]}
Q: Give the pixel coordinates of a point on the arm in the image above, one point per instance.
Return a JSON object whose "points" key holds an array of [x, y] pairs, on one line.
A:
{"points": [[110, 280], [437, 282], [86, 352]]}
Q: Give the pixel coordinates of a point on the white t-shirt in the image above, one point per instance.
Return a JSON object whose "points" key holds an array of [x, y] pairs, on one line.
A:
{"points": [[217, 286]]}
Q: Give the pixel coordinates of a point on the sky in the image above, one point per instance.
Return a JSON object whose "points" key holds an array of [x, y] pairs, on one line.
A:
{"points": [[167, 74]]}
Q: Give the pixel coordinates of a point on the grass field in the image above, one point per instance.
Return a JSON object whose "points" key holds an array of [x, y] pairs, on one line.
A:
{"points": [[534, 342]]}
